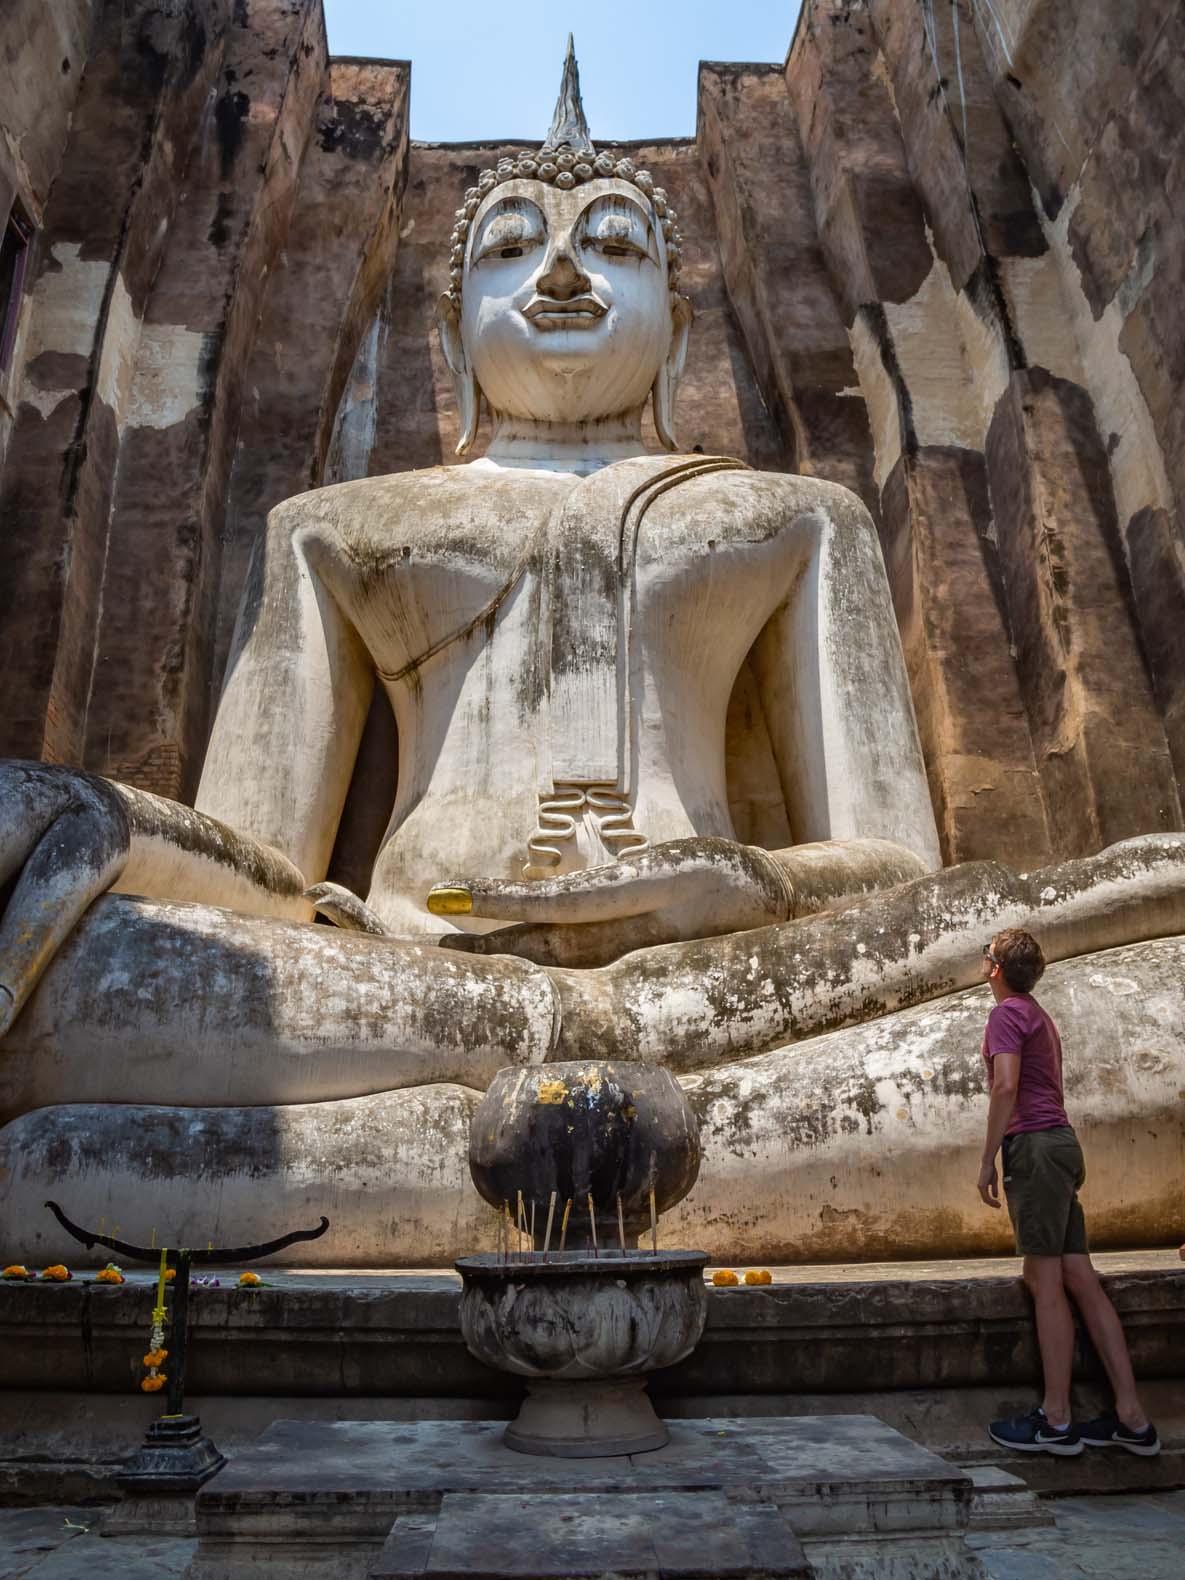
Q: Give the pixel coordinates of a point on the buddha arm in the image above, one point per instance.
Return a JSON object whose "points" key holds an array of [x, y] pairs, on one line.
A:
{"points": [[298, 687], [837, 705], [278, 766]]}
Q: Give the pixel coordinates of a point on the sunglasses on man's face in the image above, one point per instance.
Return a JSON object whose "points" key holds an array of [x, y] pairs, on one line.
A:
{"points": [[988, 955]]}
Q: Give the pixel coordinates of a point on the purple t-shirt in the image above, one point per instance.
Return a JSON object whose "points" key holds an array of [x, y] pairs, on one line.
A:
{"points": [[1019, 1025]]}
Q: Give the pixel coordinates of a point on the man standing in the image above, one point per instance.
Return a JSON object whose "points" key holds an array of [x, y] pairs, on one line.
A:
{"points": [[1043, 1170]]}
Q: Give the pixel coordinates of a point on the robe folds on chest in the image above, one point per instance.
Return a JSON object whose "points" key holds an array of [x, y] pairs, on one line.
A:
{"points": [[584, 636]]}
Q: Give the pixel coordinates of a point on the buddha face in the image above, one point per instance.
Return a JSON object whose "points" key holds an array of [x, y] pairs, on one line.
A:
{"points": [[566, 309]]}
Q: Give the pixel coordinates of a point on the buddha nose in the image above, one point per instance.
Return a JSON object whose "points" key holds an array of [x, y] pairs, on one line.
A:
{"points": [[562, 278]]}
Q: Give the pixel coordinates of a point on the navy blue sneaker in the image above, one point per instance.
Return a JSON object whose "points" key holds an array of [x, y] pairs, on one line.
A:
{"points": [[1033, 1434], [1109, 1432]]}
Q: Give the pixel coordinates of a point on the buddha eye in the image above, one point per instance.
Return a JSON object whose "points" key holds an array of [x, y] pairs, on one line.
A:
{"points": [[509, 233]]}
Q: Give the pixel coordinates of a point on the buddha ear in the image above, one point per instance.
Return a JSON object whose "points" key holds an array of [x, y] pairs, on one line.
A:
{"points": [[667, 383], [448, 326]]}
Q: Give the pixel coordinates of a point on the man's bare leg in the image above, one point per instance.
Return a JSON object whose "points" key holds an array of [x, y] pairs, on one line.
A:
{"points": [[1055, 1333], [1106, 1330]]}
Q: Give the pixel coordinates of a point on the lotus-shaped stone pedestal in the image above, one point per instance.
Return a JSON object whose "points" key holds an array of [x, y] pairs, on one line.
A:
{"points": [[584, 1331], [611, 1145]]}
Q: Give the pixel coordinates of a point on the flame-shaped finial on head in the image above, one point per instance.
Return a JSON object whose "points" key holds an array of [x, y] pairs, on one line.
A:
{"points": [[569, 128]]}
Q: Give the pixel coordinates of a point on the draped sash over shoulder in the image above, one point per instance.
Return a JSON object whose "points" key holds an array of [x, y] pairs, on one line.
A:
{"points": [[586, 761]]}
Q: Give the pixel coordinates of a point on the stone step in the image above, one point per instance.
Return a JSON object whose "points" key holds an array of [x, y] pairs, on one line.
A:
{"points": [[590, 1536], [1002, 1501]]}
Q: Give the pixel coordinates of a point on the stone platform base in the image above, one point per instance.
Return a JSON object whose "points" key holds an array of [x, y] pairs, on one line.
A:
{"points": [[935, 1349], [841, 1495]]}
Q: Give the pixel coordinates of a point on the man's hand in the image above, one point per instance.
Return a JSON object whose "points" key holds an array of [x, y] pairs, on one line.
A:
{"points": [[988, 1185]]}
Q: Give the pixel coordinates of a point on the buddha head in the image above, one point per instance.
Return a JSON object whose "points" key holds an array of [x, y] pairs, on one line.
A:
{"points": [[563, 303]]}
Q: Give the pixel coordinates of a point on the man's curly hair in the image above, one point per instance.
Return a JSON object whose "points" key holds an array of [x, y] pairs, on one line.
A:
{"points": [[1020, 958]]}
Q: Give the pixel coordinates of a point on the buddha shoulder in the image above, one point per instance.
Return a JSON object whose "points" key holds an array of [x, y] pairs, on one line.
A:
{"points": [[758, 506], [450, 507]]}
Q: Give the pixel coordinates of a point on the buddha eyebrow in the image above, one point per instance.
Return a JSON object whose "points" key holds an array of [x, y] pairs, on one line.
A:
{"points": [[612, 205], [513, 208]]}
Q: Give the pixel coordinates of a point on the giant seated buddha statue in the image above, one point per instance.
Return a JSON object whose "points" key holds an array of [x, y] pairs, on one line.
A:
{"points": [[559, 627]]}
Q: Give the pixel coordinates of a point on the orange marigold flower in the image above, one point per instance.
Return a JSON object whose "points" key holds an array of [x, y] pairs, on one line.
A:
{"points": [[57, 1273], [724, 1277], [170, 1274], [153, 1384], [760, 1275], [155, 1358], [15, 1270], [109, 1275], [249, 1280]]}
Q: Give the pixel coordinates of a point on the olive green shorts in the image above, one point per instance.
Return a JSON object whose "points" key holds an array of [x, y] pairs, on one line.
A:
{"points": [[1043, 1171]]}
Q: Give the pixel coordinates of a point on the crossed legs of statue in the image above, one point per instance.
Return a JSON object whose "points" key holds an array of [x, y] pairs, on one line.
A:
{"points": [[153, 1002], [231, 1075]]}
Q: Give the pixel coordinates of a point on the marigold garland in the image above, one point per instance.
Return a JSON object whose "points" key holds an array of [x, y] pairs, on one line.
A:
{"points": [[156, 1379]]}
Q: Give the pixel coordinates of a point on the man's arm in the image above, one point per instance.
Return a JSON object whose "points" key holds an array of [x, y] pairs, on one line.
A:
{"points": [[1005, 1081]]}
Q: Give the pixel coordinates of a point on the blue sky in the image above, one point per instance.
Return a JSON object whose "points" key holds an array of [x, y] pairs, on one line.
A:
{"points": [[488, 70]]}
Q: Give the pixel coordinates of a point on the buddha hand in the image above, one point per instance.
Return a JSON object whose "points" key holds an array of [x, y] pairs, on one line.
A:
{"points": [[686, 888], [64, 838]]}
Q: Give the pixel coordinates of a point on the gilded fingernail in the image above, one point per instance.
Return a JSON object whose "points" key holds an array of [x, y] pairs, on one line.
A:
{"points": [[448, 900]]}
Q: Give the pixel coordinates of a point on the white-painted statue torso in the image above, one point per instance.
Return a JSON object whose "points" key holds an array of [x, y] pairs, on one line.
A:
{"points": [[413, 560]]}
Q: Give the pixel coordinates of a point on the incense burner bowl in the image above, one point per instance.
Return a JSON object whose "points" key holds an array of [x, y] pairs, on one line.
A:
{"points": [[579, 1159], [584, 1331], [594, 1131]]}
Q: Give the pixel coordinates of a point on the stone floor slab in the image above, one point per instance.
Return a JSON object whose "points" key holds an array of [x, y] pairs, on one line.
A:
{"points": [[28, 1536], [634, 1536]]}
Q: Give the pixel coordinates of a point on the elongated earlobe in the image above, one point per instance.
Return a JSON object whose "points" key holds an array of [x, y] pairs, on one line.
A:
{"points": [[666, 385], [448, 326]]}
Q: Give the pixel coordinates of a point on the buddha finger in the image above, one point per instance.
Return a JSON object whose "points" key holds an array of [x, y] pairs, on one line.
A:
{"points": [[77, 859], [599, 894], [711, 884]]}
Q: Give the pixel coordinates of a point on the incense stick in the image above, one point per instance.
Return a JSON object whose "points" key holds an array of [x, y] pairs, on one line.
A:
{"points": [[592, 1218], [564, 1224], [520, 1222], [653, 1224], [620, 1224], [547, 1231], [532, 1245]]}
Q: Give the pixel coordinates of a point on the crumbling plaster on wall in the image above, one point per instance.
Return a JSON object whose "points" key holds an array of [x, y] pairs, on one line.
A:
{"points": [[1137, 463]]}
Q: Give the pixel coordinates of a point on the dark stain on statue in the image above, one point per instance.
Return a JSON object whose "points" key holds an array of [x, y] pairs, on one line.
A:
{"points": [[230, 117], [219, 232]]}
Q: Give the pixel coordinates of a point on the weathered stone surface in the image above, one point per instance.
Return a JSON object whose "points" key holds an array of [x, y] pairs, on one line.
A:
{"points": [[834, 1480], [856, 158], [1078, 651], [146, 80], [889, 122], [943, 565], [983, 337], [187, 376], [776, 274], [562, 1536], [816, 1332], [325, 297]]}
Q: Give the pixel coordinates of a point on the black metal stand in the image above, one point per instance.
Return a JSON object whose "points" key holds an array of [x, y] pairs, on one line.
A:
{"points": [[176, 1456]]}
